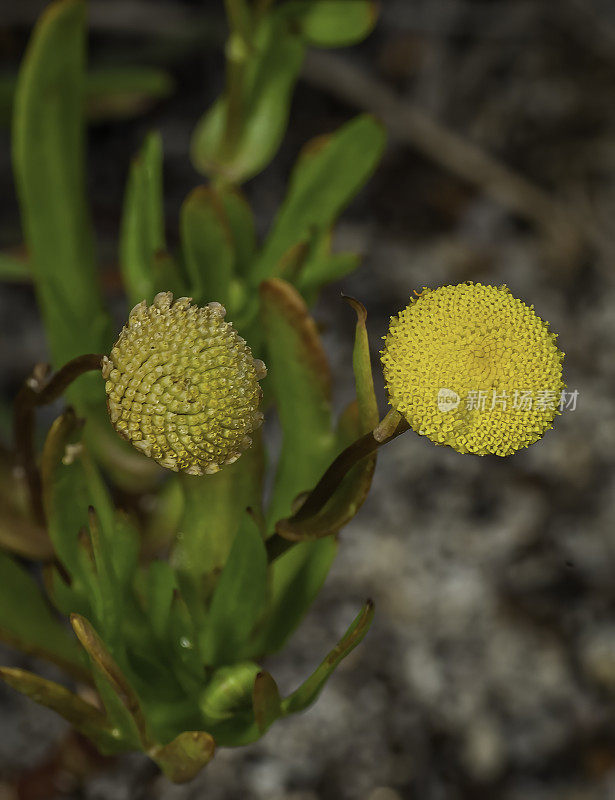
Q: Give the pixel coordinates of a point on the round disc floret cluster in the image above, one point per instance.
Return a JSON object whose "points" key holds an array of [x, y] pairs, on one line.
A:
{"points": [[182, 385], [472, 367]]}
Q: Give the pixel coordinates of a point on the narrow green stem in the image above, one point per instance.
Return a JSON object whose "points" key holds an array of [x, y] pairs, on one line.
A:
{"points": [[39, 390], [392, 425], [238, 48]]}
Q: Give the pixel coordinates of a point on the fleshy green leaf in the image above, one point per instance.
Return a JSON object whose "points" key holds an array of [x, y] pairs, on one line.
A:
{"points": [[319, 266], [266, 701], [296, 577], [207, 246], [48, 157], [214, 507], [332, 23], [65, 495], [353, 490], [81, 715], [332, 267], [64, 597], [160, 585], [142, 234], [27, 622], [330, 171], [300, 381], [183, 758], [101, 563], [270, 75], [110, 92], [120, 92], [162, 524], [240, 221], [307, 693], [119, 697], [124, 546], [362, 367], [238, 599]]}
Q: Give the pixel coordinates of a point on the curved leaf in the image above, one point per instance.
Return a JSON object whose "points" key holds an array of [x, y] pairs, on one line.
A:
{"points": [[300, 380], [48, 158], [332, 23], [266, 701], [81, 715], [354, 488], [270, 76], [329, 172], [238, 599], [142, 232], [27, 622], [207, 246], [307, 693], [295, 578], [183, 758]]}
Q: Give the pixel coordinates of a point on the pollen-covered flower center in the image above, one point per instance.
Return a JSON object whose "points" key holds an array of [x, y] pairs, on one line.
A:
{"points": [[473, 367], [182, 385]]}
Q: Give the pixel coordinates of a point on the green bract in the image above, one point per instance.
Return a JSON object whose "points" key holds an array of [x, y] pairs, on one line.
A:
{"points": [[175, 602]]}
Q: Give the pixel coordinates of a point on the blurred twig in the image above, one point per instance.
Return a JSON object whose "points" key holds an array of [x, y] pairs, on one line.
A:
{"points": [[566, 228]]}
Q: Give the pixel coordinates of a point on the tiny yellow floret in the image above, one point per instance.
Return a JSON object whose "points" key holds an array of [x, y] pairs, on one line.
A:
{"points": [[182, 385], [472, 367]]}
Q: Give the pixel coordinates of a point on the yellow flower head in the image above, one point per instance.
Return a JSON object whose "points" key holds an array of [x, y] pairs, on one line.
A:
{"points": [[472, 367], [182, 385]]}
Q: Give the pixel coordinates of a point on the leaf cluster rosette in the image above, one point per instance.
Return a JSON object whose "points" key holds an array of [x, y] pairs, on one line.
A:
{"points": [[178, 573], [159, 545]]}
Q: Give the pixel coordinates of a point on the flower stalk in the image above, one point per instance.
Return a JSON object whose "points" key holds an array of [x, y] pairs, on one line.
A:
{"points": [[38, 390]]}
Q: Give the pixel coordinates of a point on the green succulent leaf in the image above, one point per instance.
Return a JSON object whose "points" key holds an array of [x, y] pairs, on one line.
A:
{"points": [[183, 758], [240, 222], [329, 172], [318, 265], [64, 596], [354, 488], [332, 267], [142, 233], [48, 150], [120, 92], [271, 72], [307, 693], [214, 507], [238, 600], [300, 381], [266, 701], [332, 23], [159, 587], [182, 643], [110, 92], [162, 523], [123, 546], [82, 715], [362, 367], [65, 495], [119, 697], [207, 246], [28, 623], [98, 548], [295, 579]]}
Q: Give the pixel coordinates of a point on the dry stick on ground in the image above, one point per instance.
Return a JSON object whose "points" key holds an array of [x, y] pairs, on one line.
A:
{"points": [[568, 229]]}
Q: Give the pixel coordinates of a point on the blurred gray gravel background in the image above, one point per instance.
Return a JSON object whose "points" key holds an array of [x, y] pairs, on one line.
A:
{"points": [[490, 668]]}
